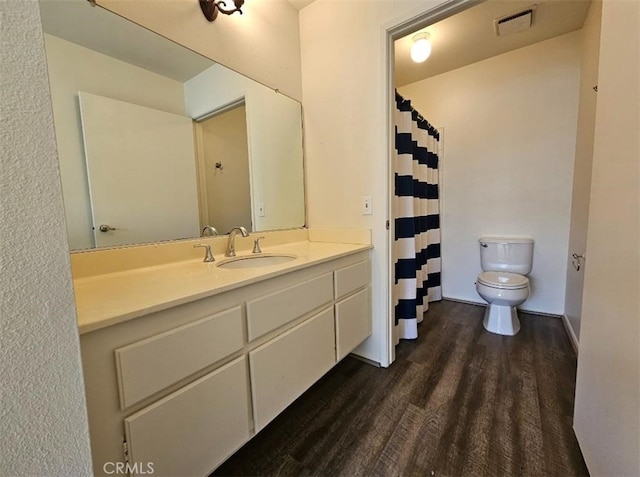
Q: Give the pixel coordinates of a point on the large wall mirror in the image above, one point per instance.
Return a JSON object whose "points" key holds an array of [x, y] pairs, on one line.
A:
{"points": [[156, 142]]}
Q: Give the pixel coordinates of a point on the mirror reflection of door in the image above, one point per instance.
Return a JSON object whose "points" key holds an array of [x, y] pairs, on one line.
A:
{"points": [[141, 170], [223, 163]]}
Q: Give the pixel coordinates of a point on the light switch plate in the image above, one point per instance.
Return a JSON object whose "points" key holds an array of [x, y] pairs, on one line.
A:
{"points": [[366, 205]]}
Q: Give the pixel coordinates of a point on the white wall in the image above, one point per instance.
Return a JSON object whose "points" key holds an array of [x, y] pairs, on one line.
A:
{"points": [[582, 166], [346, 101], [73, 68], [509, 142], [607, 410], [262, 43], [274, 137], [44, 421]]}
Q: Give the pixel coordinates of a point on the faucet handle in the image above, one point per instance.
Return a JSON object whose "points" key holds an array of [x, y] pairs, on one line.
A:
{"points": [[208, 256], [256, 245]]}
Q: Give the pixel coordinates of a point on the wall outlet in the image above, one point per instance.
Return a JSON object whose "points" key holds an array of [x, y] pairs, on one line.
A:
{"points": [[260, 209], [366, 205]]}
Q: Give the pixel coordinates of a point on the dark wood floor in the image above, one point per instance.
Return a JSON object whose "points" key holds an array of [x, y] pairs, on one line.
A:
{"points": [[457, 401]]}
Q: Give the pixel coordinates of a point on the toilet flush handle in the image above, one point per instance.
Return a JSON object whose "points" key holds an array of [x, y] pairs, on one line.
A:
{"points": [[484, 245]]}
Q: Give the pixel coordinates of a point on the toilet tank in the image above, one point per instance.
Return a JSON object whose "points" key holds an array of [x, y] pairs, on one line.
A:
{"points": [[508, 254]]}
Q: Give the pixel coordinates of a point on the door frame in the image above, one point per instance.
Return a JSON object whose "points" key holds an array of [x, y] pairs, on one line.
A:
{"points": [[392, 32], [198, 139]]}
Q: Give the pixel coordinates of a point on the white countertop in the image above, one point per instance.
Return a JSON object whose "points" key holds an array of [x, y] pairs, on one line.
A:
{"points": [[112, 298]]}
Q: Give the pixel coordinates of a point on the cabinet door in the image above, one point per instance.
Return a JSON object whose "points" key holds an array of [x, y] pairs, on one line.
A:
{"points": [[150, 365], [353, 322], [285, 367], [193, 430], [267, 313], [351, 278]]}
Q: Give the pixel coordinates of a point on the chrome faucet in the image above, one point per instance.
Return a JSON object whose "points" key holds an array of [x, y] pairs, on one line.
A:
{"points": [[209, 230], [231, 243]]}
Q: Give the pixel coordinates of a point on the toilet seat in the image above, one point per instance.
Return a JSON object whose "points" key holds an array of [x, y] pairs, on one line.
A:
{"points": [[503, 280]]}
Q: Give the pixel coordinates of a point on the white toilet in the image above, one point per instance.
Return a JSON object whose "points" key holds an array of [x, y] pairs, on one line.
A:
{"points": [[503, 284]]}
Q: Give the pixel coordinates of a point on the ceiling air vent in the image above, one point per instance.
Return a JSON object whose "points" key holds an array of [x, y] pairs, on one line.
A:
{"points": [[514, 23]]}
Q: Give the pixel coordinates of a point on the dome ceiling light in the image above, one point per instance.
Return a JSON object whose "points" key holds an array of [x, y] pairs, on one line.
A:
{"points": [[421, 48]]}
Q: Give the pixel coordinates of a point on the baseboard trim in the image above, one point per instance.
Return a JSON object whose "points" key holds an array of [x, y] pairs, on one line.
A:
{"points": [[572, 336], [365, 360], [540, 313], [484, 304], [468, 302]]}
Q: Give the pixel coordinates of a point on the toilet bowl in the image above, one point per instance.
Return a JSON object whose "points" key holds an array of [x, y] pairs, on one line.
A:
{"points": [[503, 291]]}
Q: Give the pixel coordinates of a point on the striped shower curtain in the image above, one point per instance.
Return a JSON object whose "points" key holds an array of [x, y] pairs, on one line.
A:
{"points": [[416, 249]]}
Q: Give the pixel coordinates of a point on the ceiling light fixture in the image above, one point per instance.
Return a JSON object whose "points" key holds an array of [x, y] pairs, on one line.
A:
{"points": [[210, 8], [421, 48]]}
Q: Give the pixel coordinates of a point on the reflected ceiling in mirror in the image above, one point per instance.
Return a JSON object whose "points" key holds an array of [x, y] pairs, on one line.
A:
{"points": [[112, 84]]}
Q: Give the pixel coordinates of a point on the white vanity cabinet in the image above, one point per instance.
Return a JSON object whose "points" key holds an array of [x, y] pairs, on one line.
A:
{"points": [[352, 308], [150, 365], [286, 366], [195, 428], [183, 388]]}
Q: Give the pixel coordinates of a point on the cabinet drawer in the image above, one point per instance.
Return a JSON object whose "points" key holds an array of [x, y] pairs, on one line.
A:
{"points": [[351, 278], [269, 312], [353, 322], [193, 430], [151, 365], [285, 367]]}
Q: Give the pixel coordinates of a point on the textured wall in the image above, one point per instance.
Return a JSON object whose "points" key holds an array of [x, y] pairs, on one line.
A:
{"points": [[43, 413], [509, 143]]}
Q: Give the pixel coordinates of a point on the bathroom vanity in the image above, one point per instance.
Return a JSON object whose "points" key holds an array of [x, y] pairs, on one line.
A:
{"points": [[185, 362]]}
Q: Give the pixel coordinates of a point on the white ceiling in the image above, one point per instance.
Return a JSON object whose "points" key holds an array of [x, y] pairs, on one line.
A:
{"points": [[300, 4], [469, 36]]}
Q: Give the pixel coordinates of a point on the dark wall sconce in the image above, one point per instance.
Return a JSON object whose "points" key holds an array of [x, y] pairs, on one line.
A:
{"points": [[210, 8]]}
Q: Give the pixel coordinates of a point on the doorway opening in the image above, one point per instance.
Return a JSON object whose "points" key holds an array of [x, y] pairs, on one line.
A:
{"points": [[510, 119], [392, 35], [224, 187]]}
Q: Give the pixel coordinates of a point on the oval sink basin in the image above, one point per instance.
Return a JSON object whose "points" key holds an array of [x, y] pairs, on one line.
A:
{"points": [[255, 261]]}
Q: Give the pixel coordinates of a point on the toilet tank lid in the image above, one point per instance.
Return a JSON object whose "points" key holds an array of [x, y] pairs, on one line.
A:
{"points": [[502, 239]]}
